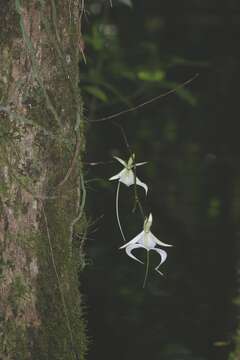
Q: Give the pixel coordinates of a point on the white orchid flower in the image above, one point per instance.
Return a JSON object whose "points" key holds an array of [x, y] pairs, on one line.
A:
{"points": [[127, 177], [146, 240]]}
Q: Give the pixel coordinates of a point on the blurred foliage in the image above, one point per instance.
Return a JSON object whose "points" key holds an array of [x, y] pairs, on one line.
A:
{"points": [[191, 142], [108, 66], [176, 352]]}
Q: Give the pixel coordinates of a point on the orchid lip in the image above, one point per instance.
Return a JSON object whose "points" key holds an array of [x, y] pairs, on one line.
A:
{"points": [[146, 240]]}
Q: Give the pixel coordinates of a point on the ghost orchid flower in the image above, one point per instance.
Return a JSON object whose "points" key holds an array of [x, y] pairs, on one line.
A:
{"points": [[146, 240], [127, 177]]}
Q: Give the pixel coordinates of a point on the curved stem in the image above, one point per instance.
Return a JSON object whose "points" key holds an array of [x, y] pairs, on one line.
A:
{"points": [[137, 202], [117, 211], [147, 270]]}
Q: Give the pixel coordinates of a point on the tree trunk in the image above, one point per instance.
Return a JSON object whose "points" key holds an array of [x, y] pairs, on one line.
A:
{"points": [[42, 193]]}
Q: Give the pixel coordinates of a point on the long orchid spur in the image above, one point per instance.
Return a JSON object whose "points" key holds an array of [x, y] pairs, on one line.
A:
{"points": [[146, 240], [128, 177]]}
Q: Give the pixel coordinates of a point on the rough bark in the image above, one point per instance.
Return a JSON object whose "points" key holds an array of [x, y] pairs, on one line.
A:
{"points": [[42, 191]]}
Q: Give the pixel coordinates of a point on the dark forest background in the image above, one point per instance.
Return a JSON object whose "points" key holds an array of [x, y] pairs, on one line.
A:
{"points": [[135, 51]]}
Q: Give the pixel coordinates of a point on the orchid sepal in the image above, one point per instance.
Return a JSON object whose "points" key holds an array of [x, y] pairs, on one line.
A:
{"points": [[121, 161]]}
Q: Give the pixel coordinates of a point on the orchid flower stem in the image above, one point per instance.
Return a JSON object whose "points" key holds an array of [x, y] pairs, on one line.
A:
{"points": [[147, 271], [117, 211], [137, 202], [140, 208], [135, 191]]}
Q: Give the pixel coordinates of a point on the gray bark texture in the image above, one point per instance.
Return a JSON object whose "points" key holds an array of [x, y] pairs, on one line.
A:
{"points": [[42, 192]]}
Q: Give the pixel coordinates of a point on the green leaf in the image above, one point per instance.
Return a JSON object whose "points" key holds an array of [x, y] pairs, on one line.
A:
{"points": [[95, 39], [214, 208], [147, 75], [96, 92]]}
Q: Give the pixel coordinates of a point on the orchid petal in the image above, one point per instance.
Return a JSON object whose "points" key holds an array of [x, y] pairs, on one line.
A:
{"points": [[140, 183], [121, 161], [159, 272], [134, 240], [158, 242], [163, 255], [117, 176], [141, 163], [132, 247]]}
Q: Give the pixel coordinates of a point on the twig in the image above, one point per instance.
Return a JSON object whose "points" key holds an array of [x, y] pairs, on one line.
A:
{"points": [[124, 137], [134, 108]]}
